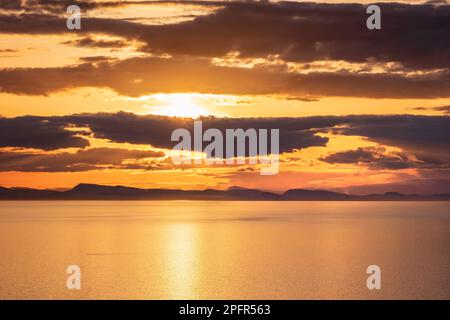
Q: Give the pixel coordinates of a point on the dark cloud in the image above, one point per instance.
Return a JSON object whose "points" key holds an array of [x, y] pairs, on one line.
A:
{"points": [[437, 2], [423, 136], [95, 59], [97, 43], [422, 139], [302, 99], [39, 133], [126, 127], [443, 109], [58, 6], [140, 76], [413, 35], [11, 4], [49, 133], [82, 160], [373, 157]]}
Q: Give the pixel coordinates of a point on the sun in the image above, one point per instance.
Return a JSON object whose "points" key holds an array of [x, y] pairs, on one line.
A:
{"points": [[177, 105]]}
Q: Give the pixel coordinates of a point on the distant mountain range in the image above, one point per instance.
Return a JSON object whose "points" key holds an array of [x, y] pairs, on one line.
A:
{"points": [[100, 192]]}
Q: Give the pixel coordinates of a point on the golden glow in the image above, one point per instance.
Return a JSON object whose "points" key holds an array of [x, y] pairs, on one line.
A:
{"points": [[52, 51], [180, 248], [177, 105]]}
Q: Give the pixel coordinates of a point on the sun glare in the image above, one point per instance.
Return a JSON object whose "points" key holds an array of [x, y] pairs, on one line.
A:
{"points": [[179, 105]]}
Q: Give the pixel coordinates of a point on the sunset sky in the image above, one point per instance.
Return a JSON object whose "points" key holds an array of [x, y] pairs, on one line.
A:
{"points": [[358, 110]]}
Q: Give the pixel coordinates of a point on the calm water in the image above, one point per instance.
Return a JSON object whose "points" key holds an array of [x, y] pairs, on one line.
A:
{"points": [[223, 250]]}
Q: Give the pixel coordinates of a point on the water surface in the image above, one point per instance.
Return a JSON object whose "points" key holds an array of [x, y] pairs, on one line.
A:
{"points": [[224, 250]]}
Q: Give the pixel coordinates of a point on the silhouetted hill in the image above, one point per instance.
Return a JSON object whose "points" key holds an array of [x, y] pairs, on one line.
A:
{"points": [[27, 194], [92, 191], [303, 194], [99, 192], [252, 194]]}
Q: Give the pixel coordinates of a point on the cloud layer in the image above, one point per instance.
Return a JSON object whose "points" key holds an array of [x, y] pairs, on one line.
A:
{"points": [[424, 138], [82, 160], [411, 53]]}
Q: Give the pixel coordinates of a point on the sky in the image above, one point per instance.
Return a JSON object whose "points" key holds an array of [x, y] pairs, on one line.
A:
{"points": [[358, 110]]}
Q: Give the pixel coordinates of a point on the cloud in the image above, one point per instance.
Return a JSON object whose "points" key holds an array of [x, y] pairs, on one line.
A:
{"points": [[443, 109], [374, 157], [97, 43], [95, 59], [426, 137], [312, 31], [295, 133], [39, 133], [289, 31], [50, 133], [422, 139], [58, 6], [82, 160], [300, 32], [11, 5], [183, 74], [8, 51]]}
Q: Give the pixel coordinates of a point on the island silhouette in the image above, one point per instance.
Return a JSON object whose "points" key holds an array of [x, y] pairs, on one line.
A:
{"points": [[85, 191]]}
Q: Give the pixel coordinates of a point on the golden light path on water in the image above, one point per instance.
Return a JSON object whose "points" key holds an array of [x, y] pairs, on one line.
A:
{"points": [[223, 250]]}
